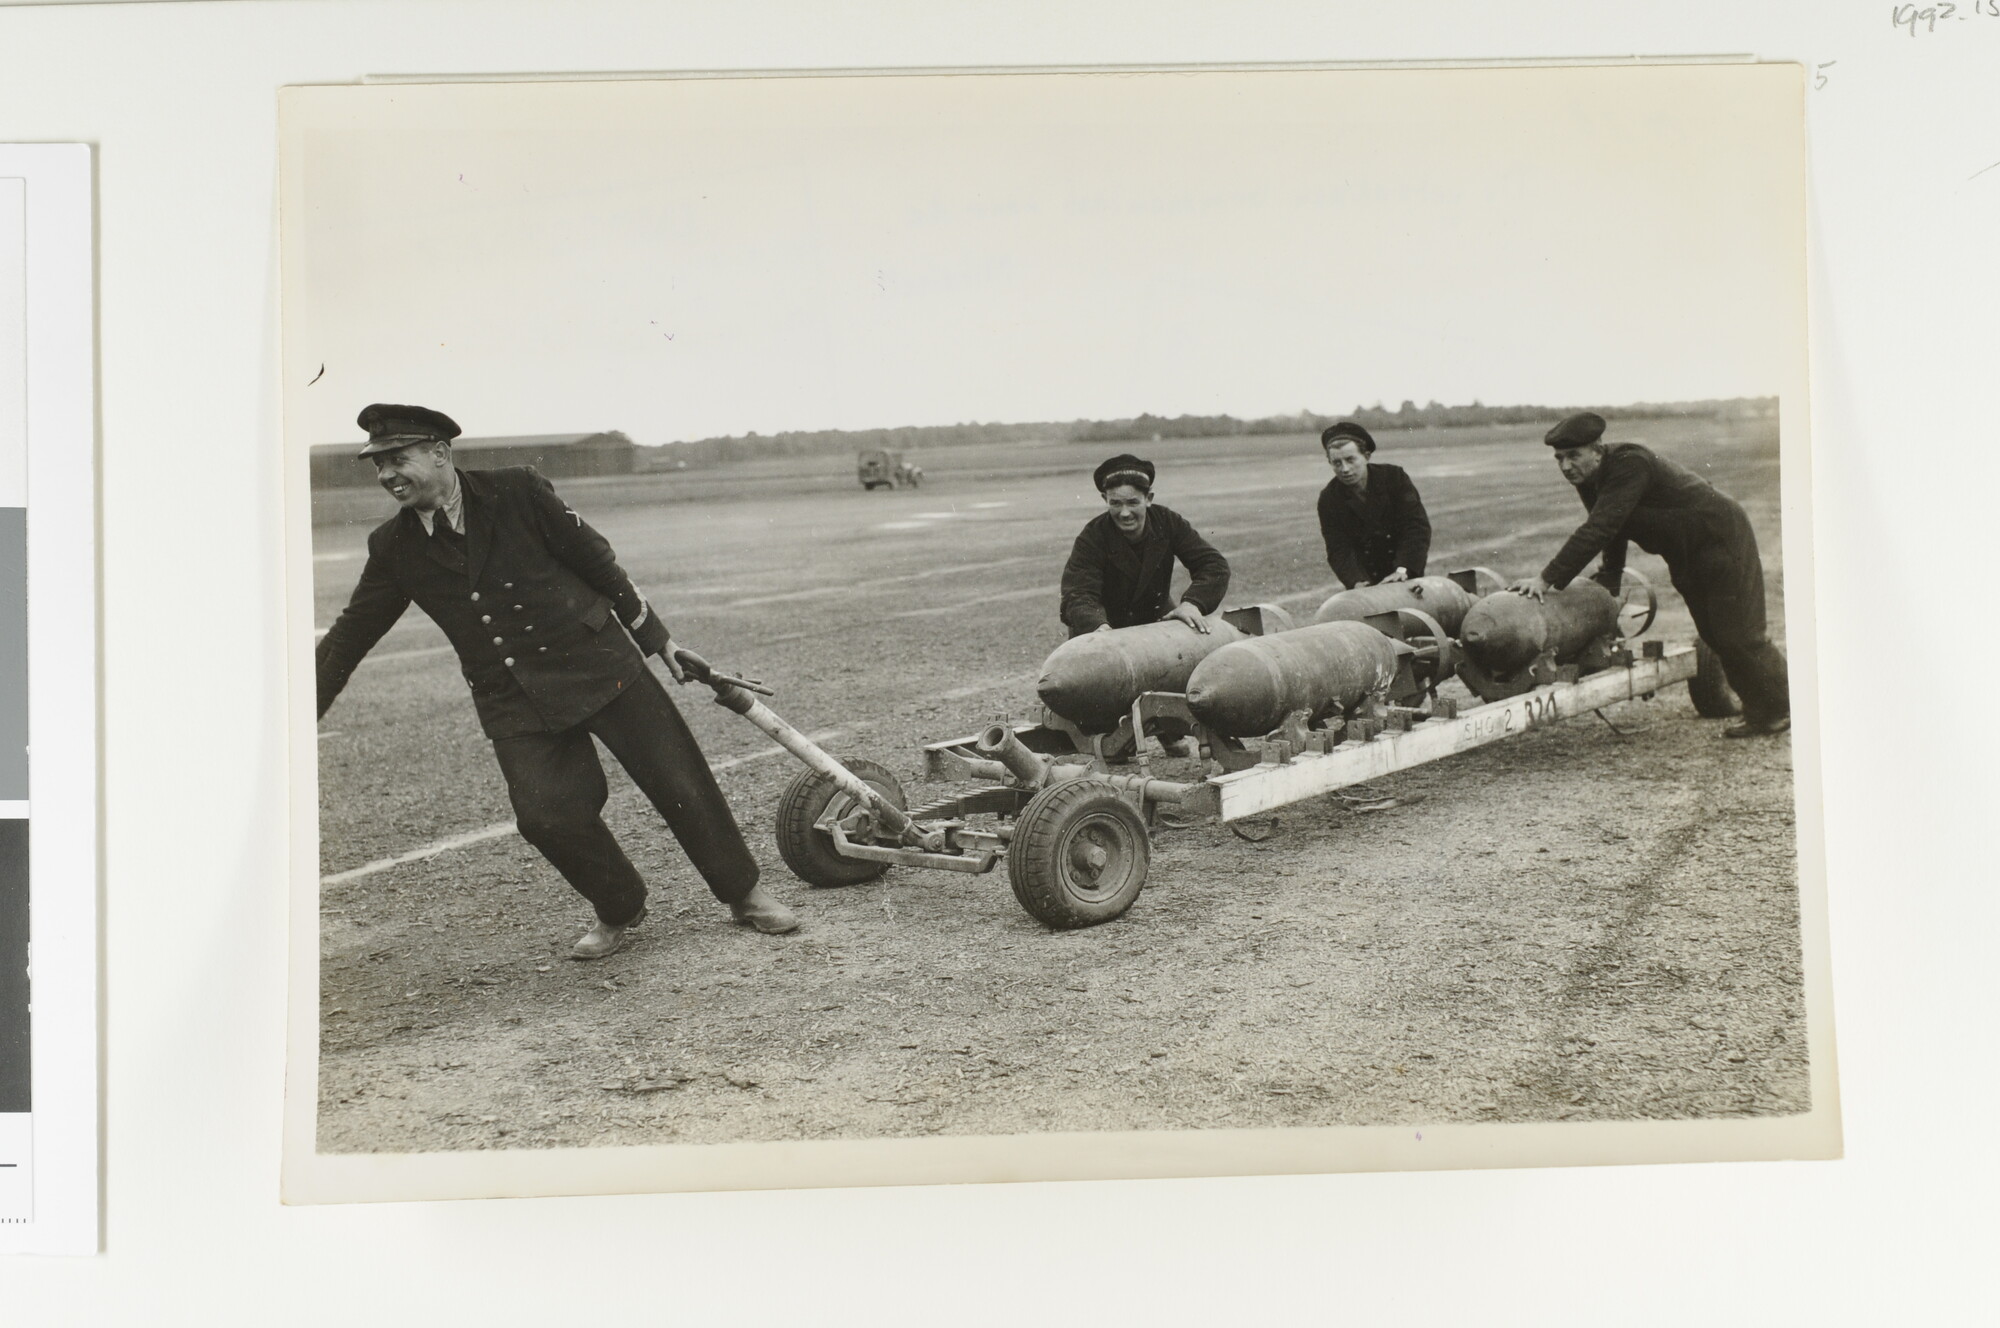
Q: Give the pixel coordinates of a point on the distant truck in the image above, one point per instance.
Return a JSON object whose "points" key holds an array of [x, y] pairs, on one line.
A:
{"points": [[880, 468]]}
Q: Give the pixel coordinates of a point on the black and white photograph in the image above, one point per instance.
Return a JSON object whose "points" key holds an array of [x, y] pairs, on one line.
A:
{"points": [[1029, 626]]}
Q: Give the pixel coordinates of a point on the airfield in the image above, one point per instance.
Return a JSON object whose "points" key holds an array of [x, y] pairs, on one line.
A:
{"points": [[1575, 924]]}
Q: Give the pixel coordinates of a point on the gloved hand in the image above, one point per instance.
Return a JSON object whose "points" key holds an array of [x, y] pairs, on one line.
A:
{"points": [[677, 669]]}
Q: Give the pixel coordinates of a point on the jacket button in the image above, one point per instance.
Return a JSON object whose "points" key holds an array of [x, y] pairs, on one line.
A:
{"points": [[496, 640], [543, 649], [509, 661], [506, 585], [486, 617], [517, 608], [531, 627], [475, 597]]}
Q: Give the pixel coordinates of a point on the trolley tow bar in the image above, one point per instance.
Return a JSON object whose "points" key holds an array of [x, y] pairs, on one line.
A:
{"points": [[735, 693]]}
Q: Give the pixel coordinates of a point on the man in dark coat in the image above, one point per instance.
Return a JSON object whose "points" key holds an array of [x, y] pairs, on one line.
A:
{"points": [[1121, 567], [1370, 516], [1706, 539], [527, 594]]}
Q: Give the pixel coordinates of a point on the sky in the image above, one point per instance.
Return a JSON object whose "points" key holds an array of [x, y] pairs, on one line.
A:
{"points": [[698, 257]]}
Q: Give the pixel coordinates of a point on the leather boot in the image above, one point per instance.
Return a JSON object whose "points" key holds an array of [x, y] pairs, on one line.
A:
{"points": [[1758, 728], [757, 909], [605, 938]]}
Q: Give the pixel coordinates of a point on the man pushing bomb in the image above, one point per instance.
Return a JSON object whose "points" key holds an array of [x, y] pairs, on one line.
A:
{"points": [[1371, 517], [1121, 566], [1706, 539], [551, 636]]}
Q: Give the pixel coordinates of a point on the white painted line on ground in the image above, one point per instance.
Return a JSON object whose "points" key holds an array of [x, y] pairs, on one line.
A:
{"points": [[903, 579], [823, 736], [987, 505], [961, 693], [421, 652], [939, 610], [500, 829], [936, 516], [1309, 596], [409, 622], [903, 525], [479, 836], [1241, 489], [1446, 470]]}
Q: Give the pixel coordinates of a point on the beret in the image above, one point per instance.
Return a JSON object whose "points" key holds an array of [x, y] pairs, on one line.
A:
{"points": [[391, 427], [1348, 429], [1579, 430], [1123, 464]]}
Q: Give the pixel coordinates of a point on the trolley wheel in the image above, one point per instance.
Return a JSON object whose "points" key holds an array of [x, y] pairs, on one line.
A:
{"points": [[1079, 855], [1709, 689], [807, 849], [1638, 604], [1253, 829]]}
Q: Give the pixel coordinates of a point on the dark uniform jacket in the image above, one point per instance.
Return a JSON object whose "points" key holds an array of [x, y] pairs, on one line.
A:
{"points": [[1660, 506], [1110, 579], [528, 601], [1370, 534]]}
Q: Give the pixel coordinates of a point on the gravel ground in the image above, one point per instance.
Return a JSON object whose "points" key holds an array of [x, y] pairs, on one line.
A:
{"points": [[1572, 924]]}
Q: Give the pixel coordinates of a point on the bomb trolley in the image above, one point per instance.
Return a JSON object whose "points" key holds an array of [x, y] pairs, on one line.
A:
{"points": [[1074, 830]]}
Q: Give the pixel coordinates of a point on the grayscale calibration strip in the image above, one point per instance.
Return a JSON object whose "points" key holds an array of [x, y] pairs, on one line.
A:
{"points": [[49, 1109]]}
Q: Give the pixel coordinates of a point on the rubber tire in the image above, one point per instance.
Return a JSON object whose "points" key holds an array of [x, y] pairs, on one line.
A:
{"points": [[1709, 689], [1046, 883], [809, 851]]}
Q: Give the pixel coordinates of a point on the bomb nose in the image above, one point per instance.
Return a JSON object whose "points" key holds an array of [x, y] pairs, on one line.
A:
{"points": [[1063, 686], [1233, 691], [1503, 633]]}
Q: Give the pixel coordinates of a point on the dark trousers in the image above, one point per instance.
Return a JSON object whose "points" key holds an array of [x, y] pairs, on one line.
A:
{"points": [[1723, 585], [557, 786]]}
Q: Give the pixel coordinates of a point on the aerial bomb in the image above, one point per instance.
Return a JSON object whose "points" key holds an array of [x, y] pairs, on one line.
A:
{"points": [[1248, 687], [1504, 634], [1092, 680], [1440, 597]]}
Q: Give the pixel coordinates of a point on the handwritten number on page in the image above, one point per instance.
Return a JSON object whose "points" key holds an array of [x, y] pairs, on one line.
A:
{"points": [[1925, 18]]}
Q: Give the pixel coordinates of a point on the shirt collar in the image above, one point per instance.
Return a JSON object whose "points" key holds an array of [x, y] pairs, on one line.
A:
{"points": [[453, 509]]}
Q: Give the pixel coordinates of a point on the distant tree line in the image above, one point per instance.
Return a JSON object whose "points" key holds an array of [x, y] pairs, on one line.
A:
{"points": [[1144, 428], [1409, 415], [749, 446]]}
